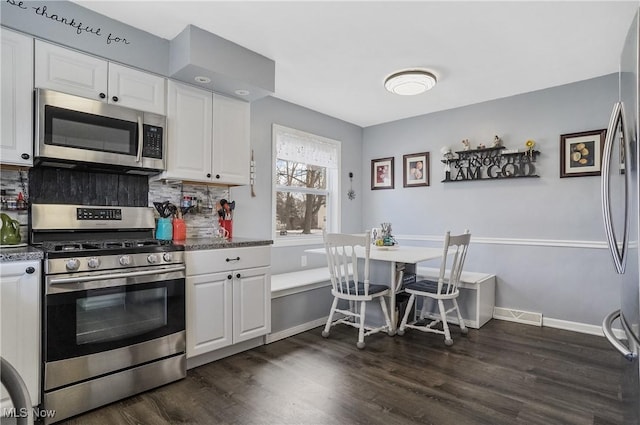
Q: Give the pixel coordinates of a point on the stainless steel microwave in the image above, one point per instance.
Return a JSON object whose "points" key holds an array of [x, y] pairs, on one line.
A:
{"points": [[73, 131]]}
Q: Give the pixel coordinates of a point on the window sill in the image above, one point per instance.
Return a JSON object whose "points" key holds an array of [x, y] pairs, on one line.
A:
{"points": [[301, 241]]}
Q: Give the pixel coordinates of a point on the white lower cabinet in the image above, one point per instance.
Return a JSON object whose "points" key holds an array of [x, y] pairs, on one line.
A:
{"points": [[228, 297], [20, 324]]}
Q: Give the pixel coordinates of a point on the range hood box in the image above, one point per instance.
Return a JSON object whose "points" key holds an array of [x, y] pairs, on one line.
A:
{"points": [[196, 52]]}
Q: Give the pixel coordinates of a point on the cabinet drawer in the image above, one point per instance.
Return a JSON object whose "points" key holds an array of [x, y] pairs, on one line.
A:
{"points": [[220, 260]]}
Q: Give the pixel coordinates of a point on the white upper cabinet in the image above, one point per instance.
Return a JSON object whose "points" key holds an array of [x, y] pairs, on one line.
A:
{"points": [[68, 71], [231, 144], [189, 126], [208, 136], [136, 89], [16, 121]]}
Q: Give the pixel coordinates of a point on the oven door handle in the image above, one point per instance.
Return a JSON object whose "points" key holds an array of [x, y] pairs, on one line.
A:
{"points": [[61, 280]]}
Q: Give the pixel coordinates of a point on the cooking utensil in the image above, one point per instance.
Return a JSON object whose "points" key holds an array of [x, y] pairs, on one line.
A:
{"points": [[165, 209]]}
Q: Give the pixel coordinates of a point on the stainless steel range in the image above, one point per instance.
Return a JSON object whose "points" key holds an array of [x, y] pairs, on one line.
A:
{"points": [[113, 307]]}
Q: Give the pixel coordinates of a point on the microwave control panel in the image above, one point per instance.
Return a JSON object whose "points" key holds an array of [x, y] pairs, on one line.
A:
{"points": [[152, 142]]}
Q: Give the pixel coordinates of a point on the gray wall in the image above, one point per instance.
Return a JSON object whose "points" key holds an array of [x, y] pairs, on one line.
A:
{"points": [[542, 237], [69, 24], [253, 215]]}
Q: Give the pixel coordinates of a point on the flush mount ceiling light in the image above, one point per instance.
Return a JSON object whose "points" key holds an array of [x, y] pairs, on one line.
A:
{"points": [[410, 82], [242, 92]]}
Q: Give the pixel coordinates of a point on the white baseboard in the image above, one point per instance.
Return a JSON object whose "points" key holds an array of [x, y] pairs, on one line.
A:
{"points": [[524, 319], [276, 336], [536, 319], [580, 327]]}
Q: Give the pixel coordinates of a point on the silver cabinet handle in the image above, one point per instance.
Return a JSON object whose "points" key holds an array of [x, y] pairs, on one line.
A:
{"points": [[140, 139], [618, 258], [608, 333]]}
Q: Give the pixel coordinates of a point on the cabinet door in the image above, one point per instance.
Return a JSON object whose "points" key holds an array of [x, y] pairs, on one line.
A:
{"points": [[231, 144], [16, 73], [209, 312], [189, 126], [68, 71], [136, 89], [20, 323], [251, 303]]}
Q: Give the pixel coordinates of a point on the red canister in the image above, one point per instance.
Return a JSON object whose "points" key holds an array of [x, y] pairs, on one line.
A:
{"points": [[228, 226], [179, 229]]}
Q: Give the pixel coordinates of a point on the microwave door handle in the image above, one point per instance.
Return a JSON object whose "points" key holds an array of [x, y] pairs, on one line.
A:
{"points": [[616, 116], [140, 139]]}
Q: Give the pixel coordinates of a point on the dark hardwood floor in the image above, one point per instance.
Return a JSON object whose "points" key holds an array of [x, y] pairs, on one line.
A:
{"points": [[504, 373]]}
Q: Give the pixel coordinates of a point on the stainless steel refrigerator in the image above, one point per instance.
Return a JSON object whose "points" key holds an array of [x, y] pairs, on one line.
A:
{"points": [[620, 206]]}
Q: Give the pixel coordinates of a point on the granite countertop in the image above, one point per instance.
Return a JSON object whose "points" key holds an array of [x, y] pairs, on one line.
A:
{"points": [[197, 244], [23, 253], [29, 253]]}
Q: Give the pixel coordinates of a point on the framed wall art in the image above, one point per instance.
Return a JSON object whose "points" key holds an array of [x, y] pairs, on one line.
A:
{"points": [[416, 169], [581, 153], [382, 173]]}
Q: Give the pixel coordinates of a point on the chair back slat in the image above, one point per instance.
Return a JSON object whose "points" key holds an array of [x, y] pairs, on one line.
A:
{"points": [[454, 256], [343, 262]]}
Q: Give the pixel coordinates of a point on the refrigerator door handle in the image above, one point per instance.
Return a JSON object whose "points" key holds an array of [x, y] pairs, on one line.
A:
{"points": [[617, 344], [618, 256]]}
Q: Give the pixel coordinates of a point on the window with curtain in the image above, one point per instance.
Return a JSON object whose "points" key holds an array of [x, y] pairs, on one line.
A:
{"points": [[306, 184]]}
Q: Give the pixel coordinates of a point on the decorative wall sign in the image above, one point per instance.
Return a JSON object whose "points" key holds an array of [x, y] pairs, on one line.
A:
{"points": [[416, 169], [581, 153], [80, 28], [489, 163], [382, 173]]}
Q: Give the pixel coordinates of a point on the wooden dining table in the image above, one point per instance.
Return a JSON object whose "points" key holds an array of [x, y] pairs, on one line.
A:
{"points": [[394, 262]]}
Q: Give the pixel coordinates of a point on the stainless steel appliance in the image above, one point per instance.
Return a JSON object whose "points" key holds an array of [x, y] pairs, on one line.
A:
{"points": [[113, 307], [73, 131], [620, 201]]}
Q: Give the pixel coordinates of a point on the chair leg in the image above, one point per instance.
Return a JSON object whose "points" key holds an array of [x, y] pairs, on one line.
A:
{"points": [[403, 324], [360, 343], [334, 305], [463, 326], [385, 312], [445, 326]]}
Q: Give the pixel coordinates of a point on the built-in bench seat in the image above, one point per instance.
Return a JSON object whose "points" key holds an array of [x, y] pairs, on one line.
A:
{"points": [[283, 284], [477, 295]]}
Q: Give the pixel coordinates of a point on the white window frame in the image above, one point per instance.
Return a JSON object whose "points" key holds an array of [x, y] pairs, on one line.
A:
{"points": [[332, 192]]}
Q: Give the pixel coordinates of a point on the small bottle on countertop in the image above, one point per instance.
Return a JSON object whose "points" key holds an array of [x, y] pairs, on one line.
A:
{"points": [[20, 203]]}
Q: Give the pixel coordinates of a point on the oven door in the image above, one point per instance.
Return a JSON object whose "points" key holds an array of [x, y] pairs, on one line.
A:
{"points": [[87, 314]]}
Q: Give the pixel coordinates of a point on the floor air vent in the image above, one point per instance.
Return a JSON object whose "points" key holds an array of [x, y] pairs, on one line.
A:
{"points": [[526, 317]]}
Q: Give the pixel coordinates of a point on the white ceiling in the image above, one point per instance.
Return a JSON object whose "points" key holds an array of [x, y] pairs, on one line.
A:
{"points": [[332, 56]]}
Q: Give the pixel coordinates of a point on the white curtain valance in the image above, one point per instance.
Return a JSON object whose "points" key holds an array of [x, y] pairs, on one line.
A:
{"points": [[307, 148]]}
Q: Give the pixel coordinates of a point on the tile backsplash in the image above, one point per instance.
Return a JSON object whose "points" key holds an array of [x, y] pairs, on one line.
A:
{"points": [[202, 221], [12, 183]]}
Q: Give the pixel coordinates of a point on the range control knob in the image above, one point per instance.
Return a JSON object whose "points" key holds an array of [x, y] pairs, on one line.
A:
{"points": [[125, 260], [73, 264], [93, 262], [167, 256], [152, 258]]}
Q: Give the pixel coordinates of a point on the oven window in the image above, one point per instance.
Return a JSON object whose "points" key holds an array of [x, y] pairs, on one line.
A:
{"points": [[80, 323], [64, 127], [112, 317]]}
